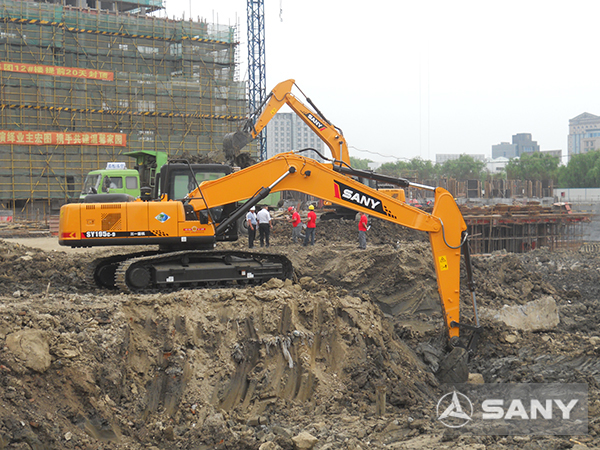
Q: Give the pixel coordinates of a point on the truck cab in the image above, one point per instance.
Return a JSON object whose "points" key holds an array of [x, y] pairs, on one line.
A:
{"points": [[115, 179]]}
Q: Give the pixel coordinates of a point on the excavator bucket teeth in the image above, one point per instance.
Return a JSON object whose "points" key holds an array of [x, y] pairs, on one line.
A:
{"points": [[234, 142], [453, 367]]}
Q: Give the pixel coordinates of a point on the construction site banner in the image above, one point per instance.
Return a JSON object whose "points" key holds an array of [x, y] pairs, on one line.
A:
{"points": [[57, 138], [57, 71]]}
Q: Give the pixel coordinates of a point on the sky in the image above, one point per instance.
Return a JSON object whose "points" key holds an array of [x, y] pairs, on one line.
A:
{"points": [[405, 79]]}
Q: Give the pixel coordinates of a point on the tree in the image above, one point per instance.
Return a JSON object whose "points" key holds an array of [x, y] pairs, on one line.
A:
{"points": [[534, 166], [463, 168], [583, 171], [358, 163], [416, 168]]}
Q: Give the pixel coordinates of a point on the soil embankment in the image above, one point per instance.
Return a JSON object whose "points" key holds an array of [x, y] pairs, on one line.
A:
{"points": [[266, 366]]}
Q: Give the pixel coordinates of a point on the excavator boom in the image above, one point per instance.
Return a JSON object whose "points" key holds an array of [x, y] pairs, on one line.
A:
{"points": [[279, 96]]}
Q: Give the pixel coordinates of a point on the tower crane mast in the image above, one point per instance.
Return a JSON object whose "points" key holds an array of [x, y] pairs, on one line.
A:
{"points": [[257, 79]]}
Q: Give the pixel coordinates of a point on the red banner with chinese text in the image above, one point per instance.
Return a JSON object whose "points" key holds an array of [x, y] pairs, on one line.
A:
{"points": [[58, 138], [57, 71]]}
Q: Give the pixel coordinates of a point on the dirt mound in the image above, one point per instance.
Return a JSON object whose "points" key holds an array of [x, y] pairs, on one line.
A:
{"points": [[211, 366], [255, 367], [29, 270]]}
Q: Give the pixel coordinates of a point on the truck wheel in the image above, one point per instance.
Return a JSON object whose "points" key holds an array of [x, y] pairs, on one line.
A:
{"points": [[243, 226]]}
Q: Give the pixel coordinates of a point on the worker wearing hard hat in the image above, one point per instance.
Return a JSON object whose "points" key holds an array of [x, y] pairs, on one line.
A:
{"points": [[311, 225], [252, 223], [296, 222]]}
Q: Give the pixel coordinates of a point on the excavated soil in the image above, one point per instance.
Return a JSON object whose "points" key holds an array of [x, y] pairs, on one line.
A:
{"points": [[259, 367]]}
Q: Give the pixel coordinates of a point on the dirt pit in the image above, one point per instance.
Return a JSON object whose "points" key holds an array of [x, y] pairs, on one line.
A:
{"points": [[303, 363]]}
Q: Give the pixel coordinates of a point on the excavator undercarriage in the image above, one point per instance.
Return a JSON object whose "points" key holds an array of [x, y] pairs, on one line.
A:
{"points": [[148, 271]]}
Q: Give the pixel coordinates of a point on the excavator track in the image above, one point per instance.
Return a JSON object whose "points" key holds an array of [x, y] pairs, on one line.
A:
{"points": [[165, 271], [101, 271]]}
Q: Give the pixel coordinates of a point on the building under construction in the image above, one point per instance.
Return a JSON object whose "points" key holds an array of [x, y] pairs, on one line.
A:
{"points": [[83, 81]]}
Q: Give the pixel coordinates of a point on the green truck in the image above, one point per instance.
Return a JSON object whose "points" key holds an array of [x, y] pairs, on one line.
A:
{"points": [[116, 178]]}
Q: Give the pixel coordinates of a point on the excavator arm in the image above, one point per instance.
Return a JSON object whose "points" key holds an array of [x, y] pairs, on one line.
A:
{"points": [[279, 96], [290, 172]]}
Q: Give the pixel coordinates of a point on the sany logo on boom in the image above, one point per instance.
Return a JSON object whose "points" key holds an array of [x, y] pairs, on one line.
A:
{"points": [[316, 122], [345, 192]]}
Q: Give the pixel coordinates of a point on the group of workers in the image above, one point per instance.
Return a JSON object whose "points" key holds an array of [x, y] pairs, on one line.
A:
{"points": [[263, 221]]}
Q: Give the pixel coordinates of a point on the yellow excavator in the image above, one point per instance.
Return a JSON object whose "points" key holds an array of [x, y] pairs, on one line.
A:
{"points": [[281, 95], [183, 230]]}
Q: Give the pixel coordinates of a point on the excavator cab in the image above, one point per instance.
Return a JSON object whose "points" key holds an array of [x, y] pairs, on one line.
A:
{"points": [[177, 178]]}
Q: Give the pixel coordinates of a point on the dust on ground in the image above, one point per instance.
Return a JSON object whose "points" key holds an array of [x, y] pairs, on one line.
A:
{"points": [[283, 365]]}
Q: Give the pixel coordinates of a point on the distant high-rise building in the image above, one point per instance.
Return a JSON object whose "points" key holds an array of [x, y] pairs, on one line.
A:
{"points": [[555, 153], [584, 134], [504, 150], [521, 143], [287, 132]]}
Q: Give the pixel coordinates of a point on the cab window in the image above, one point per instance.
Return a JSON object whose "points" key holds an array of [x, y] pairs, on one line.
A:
{"points": [[131, 182]]}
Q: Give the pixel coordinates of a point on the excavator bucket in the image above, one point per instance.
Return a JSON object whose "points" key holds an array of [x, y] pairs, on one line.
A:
{"points": [[234, 142]]}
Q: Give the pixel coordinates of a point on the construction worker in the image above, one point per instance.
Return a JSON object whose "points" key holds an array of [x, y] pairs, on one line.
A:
{"points": [[296, 222], [362, 231], [252, 223], [264, 225], [311, 225]]}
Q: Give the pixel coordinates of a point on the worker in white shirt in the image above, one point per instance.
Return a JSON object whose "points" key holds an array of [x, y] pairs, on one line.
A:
{"points": [[252, 224], [264, 225]]}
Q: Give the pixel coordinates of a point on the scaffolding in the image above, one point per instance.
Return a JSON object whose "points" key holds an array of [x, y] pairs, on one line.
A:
{"points": [[68, 74]]}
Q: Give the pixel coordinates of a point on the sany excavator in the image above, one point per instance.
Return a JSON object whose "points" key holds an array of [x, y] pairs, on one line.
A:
{"points": [[279, 96], [182, 229]]}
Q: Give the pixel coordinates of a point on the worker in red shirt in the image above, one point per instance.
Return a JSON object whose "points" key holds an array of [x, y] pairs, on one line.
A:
{"points": [[311, 225], [296, 225], [362, 231]]}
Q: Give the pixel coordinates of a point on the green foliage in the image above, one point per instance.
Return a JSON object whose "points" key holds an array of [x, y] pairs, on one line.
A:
{"points": [[583, 171], [534, 166], [463, 168], [416, 168], [359, 163]]}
